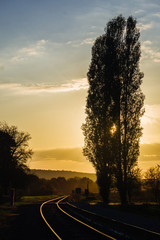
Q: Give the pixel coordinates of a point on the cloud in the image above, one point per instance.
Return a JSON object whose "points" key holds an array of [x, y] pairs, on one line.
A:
{"points": [[76, 84], [1, 67], [149, 156], [149, 53], [9, 85], [139, 11], [69, 42], [93, 27], [30, 51], [72, 158], [88, 41], [73, 85], [147, 42], [71, 154], [150, 152], [69, 159], [151, 124], [152, 114], [156, 14], [144, 27]]}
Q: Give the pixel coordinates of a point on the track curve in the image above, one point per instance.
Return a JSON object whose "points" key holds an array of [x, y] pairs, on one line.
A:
{"points": [[81, 222], [43, 217], [60, 234]]}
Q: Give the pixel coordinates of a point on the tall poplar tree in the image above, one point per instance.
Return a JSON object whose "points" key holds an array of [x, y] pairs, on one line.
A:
{"points": [[114, 105], [98, 130]]}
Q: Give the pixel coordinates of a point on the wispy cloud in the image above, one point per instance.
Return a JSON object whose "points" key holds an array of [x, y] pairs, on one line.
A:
{"points": [[156, 14], [72, 158], [87, 41], [32, 50], [139, 11], [1, 67], [144, 27], [149, 53], [61, 158], [150, 152], [73, 85], [149, 156], [76, 84], [73, 154], [152, 114], [151, 124]]}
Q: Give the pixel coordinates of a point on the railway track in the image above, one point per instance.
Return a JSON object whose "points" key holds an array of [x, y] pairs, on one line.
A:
{"points": [[67, 221], [64, 225], [44, 218]]}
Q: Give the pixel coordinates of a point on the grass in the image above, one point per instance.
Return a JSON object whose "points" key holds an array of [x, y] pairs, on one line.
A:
{"points": [[149, 210], [8, 212], [33, 199]]}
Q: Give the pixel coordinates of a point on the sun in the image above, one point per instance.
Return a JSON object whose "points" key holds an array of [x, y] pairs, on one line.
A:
{"points": [[113, 129]]}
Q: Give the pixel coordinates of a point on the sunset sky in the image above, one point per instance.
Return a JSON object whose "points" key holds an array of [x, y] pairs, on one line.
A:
{"points": [[45, 52]]}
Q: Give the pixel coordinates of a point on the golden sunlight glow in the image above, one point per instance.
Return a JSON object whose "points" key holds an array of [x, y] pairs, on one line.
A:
{"points": [[113, 129]]}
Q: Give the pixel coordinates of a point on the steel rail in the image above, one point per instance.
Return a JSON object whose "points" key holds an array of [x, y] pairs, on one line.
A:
{"points": [[125, 224], [94, 229], [42, 215]]}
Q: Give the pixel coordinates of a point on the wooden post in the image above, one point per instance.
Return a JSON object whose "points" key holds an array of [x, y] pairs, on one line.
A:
{"points": [[12, 196]]}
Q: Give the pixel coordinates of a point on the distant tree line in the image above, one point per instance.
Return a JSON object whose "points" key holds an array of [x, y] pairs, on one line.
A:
{"points": [[114, 106], [59, 186], [142, 188]]}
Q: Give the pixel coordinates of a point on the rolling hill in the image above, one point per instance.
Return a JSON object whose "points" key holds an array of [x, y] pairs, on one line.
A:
{"points": [[48, 174]]}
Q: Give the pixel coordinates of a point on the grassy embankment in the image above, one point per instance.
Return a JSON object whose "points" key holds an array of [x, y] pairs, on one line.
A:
{"points": [[8, 212]]}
